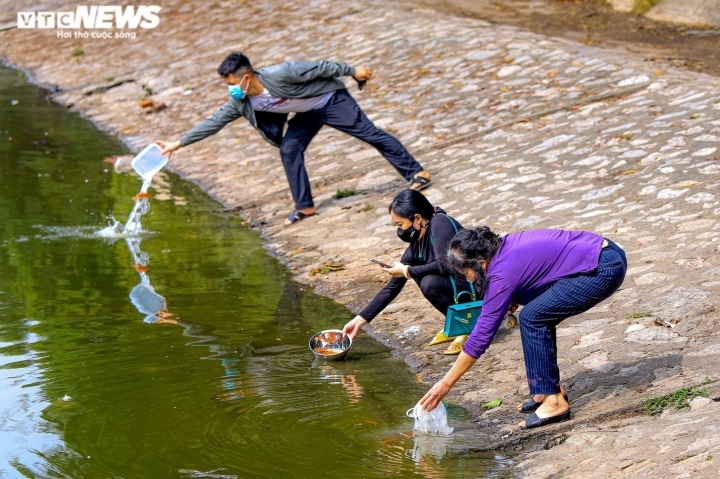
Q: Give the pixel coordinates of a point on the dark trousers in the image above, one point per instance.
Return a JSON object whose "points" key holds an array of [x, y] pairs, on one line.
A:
{"points": [[566, 297], [439, 291], [342, 113]]}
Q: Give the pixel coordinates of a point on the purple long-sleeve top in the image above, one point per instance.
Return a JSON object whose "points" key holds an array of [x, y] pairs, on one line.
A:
{"points": [[525, 266]]}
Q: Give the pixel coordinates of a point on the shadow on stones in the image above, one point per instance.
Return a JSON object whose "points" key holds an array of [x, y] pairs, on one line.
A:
{"points": [[635, 377]]}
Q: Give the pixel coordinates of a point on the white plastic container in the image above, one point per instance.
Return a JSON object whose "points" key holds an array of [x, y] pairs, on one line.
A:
{"points": [[149, 161]]}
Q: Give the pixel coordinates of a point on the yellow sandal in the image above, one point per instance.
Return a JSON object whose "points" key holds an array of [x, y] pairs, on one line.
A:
{"points": [[440, 338], [456, 346]]}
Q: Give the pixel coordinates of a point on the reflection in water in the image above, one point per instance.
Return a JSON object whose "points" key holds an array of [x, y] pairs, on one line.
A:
{"points": [[207, 474], [148, 302], [23, 397], [229, 380], [329, 371], [348, 381], [426, 447], [143, 296], [155, 308], [427, 452], [288, 316]]}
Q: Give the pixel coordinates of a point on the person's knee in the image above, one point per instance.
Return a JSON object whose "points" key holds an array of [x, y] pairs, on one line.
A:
{"points": [[433, 291], [290, 151], [529, 317], [430, 285]]}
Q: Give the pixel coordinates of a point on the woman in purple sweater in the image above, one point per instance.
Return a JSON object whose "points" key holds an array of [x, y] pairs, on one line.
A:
{"points": [[555, 274]]}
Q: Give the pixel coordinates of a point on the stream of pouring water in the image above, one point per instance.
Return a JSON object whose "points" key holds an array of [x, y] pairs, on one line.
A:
{"points": [[132, 226], [142, 206]]}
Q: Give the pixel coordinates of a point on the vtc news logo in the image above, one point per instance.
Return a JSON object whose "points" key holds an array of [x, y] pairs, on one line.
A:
{"points": [[91, 17]]}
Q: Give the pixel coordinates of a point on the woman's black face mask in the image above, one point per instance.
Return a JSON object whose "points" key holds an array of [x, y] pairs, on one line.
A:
{"points": [[409, 235]]}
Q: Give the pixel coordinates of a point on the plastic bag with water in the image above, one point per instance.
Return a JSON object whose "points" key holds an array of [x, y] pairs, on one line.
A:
{"points": [[430, 423]]}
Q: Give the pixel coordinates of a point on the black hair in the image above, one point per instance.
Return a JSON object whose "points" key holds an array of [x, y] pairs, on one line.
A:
{"points": [[234, 62], [409, 202], [466, 250]]}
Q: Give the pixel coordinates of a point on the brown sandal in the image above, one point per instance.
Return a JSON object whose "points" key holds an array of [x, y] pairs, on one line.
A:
{"points": [[419, 183], [296, 216]]}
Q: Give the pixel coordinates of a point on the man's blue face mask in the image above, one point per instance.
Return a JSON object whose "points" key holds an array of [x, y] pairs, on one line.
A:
{"points": [[236, 91]]}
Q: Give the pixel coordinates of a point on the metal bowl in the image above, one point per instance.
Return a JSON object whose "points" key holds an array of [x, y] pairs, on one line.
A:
{"points": [[330, 345]]}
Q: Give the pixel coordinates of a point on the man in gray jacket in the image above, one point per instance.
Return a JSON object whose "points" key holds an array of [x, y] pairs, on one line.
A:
{"points": [[316, 96]]}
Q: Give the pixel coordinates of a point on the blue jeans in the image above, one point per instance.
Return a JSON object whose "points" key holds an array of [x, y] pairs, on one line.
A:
{"points": [[564, 298], [344, 114]]}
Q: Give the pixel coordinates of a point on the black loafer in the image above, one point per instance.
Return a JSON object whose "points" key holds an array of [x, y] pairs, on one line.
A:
{"points": [[532, 405], [534, 421]]}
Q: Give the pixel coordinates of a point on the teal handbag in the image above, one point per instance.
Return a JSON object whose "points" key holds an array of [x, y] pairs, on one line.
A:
{"points": [[461, 318]]}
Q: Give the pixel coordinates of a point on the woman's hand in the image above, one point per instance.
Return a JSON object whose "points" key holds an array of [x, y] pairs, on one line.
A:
{"points": [[435, 395], [398, 270], [354, 326], [168, 147]]}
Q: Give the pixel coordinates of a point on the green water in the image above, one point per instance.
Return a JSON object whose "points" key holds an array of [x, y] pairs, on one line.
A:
{"points": [[223, 386]]}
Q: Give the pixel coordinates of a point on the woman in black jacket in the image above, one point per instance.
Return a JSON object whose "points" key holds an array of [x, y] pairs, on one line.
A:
{"points": [[429, 231]]}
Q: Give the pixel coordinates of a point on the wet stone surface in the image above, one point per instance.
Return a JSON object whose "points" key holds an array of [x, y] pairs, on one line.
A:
{"points": [[519, 131]]}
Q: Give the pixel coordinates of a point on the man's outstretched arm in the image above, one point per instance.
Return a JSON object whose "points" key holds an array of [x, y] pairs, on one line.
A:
{"points": [[209, 126], [304, 71]]}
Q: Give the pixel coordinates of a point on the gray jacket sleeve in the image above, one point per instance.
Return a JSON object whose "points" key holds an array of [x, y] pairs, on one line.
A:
{"points": [[226, 114], [301, 72]]}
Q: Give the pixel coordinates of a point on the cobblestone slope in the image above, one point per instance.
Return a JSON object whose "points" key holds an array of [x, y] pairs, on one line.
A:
{"points": [[520, 131]]}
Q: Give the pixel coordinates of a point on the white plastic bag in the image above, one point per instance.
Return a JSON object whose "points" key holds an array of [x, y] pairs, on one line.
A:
{"points": [[430, 423]]}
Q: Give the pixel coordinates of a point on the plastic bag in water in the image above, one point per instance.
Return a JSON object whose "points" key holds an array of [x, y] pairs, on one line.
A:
{"points": [[430, 423]]}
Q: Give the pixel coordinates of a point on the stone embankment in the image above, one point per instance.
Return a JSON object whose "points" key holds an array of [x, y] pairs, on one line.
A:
{"points": [[690, 12], [520, 131]]}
